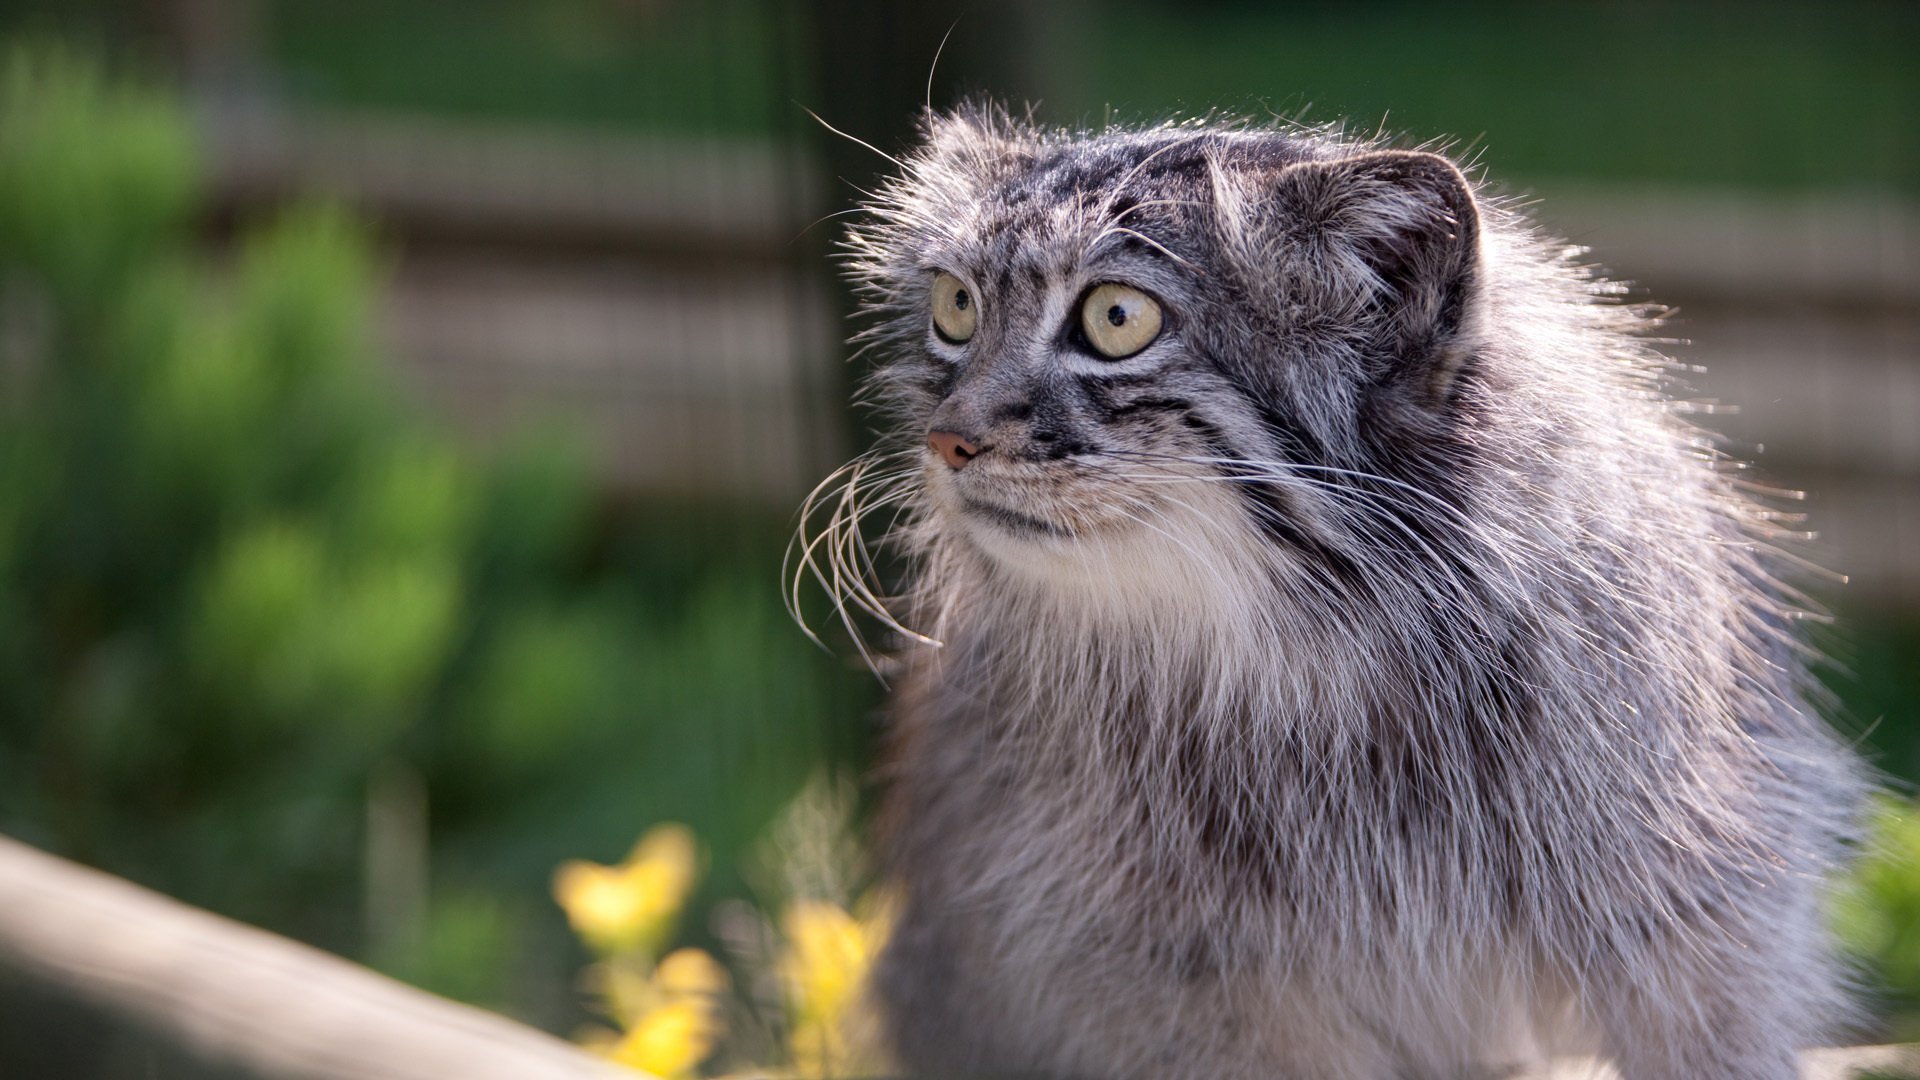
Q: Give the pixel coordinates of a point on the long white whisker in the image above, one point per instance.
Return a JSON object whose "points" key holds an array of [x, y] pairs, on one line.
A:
{"points": [[836, 555], [861, 142], [1150, 242], [1506, 553], [935, 66]]}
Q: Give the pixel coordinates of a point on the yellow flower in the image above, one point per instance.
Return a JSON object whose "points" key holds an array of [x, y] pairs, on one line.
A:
{"points": [[691, 972], [625, 988], [631, 988], [670, 1040], [824, 968], [675, 1017], [825, 957], [630, 907]]}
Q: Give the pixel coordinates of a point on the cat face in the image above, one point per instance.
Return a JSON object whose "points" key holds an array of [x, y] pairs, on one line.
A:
{"points": [[1093, 342]]}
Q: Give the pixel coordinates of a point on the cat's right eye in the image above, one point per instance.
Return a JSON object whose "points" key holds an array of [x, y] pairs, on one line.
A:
{"points": [[955, 310]]}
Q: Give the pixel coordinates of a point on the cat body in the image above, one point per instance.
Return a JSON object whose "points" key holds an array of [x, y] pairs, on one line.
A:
{"points": [[1333, 655]]}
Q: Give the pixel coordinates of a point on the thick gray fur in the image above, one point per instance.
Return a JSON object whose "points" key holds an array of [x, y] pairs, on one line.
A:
{"points": [[1377, 676]]}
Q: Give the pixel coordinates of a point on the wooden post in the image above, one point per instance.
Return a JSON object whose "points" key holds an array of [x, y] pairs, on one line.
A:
{"points": [[241, 995]]}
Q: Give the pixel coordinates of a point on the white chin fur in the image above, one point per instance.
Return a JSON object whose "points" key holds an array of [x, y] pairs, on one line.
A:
{"points": [[1182, 553]]}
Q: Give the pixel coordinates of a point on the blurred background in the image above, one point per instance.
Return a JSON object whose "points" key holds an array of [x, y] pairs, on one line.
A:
{"points": [[404, 407]]}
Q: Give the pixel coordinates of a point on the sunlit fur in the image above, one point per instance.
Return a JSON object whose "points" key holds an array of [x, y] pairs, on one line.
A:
{"points": [[1377, 676]]}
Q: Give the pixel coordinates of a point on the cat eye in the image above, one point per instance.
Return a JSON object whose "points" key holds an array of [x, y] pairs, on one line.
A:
{"points": [[955, 310], [1119, 320]]}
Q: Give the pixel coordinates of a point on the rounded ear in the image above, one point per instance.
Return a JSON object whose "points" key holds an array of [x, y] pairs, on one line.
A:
{"points": [[1401, 226]]}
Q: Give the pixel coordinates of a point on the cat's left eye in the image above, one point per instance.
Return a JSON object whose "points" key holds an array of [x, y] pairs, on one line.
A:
{"points": [[1119, 320]]}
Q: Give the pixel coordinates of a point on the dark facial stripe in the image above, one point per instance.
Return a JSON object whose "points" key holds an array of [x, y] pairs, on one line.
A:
{"points": [[1271, 505], [1297, 443], [1147, 405], [1121, 380]]}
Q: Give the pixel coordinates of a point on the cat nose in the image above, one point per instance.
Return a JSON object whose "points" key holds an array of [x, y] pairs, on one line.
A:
{"points": [[953, 448]]}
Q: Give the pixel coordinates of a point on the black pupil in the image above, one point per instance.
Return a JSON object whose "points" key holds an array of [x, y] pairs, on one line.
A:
{"points": [[1117, 315], [960, 300]]}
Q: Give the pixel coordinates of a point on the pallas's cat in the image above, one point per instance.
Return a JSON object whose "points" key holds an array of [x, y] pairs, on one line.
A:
{"points": [[1326, 650]]}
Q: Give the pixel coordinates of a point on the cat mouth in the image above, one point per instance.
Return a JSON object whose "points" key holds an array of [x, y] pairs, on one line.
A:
{"points": [[1033, 501], [1014, 521]]}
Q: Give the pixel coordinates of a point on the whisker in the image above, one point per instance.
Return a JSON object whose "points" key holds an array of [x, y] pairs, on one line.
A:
{"points": [[935, 66], [835, 554], [1150, 242], [859, 142], [1512, 554]]}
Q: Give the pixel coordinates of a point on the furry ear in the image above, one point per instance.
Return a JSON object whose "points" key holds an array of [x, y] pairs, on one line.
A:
{"points": [[1398, 232]]}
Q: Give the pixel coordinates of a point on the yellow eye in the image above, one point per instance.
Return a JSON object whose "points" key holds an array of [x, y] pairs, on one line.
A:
{"points": [[955, 310], [1119, 320]]}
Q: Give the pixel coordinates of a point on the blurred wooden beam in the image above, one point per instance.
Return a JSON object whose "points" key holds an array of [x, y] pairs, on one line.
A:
{"points": [[242, 996], [528, 188], [1845, 251], [1836, 1063]]}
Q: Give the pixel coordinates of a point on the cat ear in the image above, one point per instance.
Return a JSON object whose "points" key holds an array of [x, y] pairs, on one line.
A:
{"points": [[1395, 236]]}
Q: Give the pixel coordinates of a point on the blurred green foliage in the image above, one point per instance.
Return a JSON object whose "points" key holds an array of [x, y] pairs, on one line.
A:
{"points": [[1875, 674], [1771, 95], [710, 66], [1786, 95], [1878, 914], [1875, 677], [1803, 95], [240, 576]]}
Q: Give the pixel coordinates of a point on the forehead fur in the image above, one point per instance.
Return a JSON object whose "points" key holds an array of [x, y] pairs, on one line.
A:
{"points": [[984, 186], [980, 155], [979, 148]]}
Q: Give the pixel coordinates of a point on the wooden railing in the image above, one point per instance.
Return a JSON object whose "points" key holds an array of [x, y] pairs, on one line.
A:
{"points": [[242, 996]]}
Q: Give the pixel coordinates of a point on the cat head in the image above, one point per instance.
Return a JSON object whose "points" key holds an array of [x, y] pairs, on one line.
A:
{"points": [[1073, 330]]}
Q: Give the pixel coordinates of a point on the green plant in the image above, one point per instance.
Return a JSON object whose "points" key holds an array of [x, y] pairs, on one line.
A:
{"points": [[1878, 913], [241, 577]]}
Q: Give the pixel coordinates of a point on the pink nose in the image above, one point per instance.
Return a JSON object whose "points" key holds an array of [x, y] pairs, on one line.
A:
{"points": [[954, 449]]}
